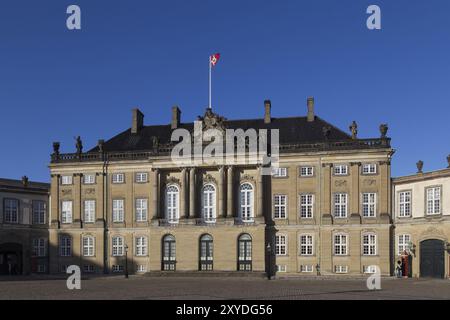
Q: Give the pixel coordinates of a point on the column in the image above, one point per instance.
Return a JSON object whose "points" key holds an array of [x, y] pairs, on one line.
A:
{"points": [[155, 183], [327, 199], [259, 198], [77, 207], [54, 198], [383, 189], [192, 193], [230, 192], [355, 193], [184, 209], [100, 202], [221, 191]]}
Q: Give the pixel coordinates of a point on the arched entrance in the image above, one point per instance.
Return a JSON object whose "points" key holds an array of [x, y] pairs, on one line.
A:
{"points": [[432, 258], [11, 258]]}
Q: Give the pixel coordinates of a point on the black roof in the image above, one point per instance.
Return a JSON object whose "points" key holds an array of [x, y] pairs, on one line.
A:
{"points": [[11, 185], [292, 130]]}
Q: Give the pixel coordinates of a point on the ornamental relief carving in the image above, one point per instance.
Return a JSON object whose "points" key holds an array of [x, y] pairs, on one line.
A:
{"points": [[370, 182], [90, 191], [340, 183], [173, 180], [66, 192], [247, 177], [207, 178], [432, 232]]}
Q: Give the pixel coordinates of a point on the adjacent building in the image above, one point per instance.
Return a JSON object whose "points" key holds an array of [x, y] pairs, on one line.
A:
{"points": [[126, 206], [23, 226], [422, 222]]}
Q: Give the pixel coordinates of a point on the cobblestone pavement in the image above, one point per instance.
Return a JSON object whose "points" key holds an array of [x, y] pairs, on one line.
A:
{"points": [[137, 287]]}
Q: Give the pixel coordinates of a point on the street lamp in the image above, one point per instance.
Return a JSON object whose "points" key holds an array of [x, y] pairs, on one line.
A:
{"points": [[269, 253], [126, 261]]}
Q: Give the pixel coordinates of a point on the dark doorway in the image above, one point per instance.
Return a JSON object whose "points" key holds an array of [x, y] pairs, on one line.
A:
{"points": [[432, 258], [11, 258], [244, 253], [168, 253], [206, 253]]}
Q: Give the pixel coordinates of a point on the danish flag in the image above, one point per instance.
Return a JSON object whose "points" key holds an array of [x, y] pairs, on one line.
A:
{"points": [[214, 59]]}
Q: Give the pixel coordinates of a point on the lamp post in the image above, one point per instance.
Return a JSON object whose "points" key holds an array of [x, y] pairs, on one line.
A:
{"points": [[126, 261], [269, 254]]}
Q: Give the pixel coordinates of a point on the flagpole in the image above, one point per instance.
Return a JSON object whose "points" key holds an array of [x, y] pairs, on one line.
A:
{"points": [[210, 83]]}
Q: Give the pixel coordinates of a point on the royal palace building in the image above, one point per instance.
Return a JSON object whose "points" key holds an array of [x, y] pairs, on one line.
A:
{"points": [[23, 227], [422, 222], [125, 205]]}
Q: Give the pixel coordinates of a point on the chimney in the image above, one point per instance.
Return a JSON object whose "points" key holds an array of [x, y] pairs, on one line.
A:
{"points": [[267, 107], [310, 104], [176, 115], [137, 121]]}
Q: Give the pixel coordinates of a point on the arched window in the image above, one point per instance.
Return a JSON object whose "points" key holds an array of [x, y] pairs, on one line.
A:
{"points": [[206, 253], [209, 203], [168, 253], [172, 204], [246, 202], [245, 252], [118, 246]]}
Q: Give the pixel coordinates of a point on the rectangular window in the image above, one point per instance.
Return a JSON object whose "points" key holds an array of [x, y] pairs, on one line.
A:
{"points": [[89, 211], [306, 245], [403, 244], [280, 202], [118, 178], [340, 269], [306, 171], [369, 168], [280, 245], [66, 180], [306, 268], [65, 246], [369, 244], [369, 269], [117, 268], [141, 210], [141, 177], [66, 212], [11, 211], [340, 244], [88, 268], [39, 247], [88, 246], [41, 268], [141, 246], [369, 204], [433, 200], [306, 205], [141, 268], [281, 268], [279, 172], [89, 179], [118, 210], [39, 212], [404, 203], [340, 205], [340, 170], [117, 247]]}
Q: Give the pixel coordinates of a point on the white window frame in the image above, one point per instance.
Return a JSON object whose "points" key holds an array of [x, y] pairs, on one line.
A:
{"points": [[403, 241], [280, 206], [246, 202], [66, 211], [65, 246], [39, 247], [306, 268], [141, 209], [141, 268], [404, 203], [280, 172], [306, 205], [369, 204], [340, 247], [118, 246], [369, 244], [209, 212], [369, 168], [141, 246], [89, 211], [340, 269], [66, 180], [433, 200], [172, 203], [340, 205], [306, 171], [141, 177], [88, 246], [118, 178], [306, 245], [340, 170], [117, 268], [89, 178], [11, 210], [118, 210], [282, 268], [281, 244]]}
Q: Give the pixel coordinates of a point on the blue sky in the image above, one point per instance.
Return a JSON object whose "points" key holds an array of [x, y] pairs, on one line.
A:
{"points": [[56, 84]]}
